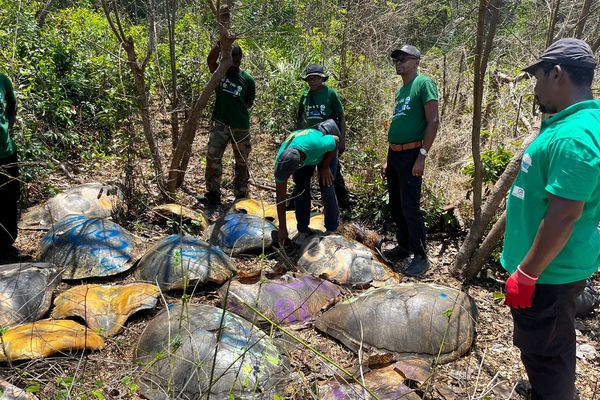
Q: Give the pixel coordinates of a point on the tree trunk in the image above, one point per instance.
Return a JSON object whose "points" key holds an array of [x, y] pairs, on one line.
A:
{"points": [[552, 24], [483, 252], [482, 53], [43, 13], [182, 153], [171, 20], [463, 258], [585, 13]]}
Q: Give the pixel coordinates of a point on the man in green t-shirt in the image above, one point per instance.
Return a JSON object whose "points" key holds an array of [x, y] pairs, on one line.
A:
{"points": [[317, 104], [9, 171], [411, 134], [298, 155], [230, 123], [552, 242]]}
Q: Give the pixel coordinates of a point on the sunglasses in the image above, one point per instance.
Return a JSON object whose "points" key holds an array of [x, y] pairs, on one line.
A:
{"points": [[402, 60]]}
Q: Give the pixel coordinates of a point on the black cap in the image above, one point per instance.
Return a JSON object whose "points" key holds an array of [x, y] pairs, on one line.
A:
{"points": [[315, 69], [568, 51], [328, 127], [406, 49]]}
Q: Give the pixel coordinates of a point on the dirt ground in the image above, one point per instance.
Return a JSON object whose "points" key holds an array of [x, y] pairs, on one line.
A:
{"points": [[489, 371]]}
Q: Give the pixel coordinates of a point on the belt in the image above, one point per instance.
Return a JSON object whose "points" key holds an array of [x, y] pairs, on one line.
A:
{"points": [[406, 146]]}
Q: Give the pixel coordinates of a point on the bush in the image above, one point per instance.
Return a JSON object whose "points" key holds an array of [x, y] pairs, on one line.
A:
{"points": [[494, 163]]}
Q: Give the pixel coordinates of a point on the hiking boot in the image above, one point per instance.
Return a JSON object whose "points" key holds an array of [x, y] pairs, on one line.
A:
{"points": [[417, 266], [210, 199], [397, 253], [523, 387], [241, 196], [302, 237]]}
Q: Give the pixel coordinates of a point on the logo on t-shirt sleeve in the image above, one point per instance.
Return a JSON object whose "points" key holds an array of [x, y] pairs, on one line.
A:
{"points": [[526, 162]]}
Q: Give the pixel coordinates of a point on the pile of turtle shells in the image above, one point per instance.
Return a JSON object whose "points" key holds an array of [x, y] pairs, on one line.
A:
{"points": [[337, 285]]}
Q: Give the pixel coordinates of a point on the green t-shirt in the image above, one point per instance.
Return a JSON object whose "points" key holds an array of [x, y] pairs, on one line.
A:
{"points": [[564, 160], [320, 106], [313, 143], [233, 96], [7, 95], [409, 121]]}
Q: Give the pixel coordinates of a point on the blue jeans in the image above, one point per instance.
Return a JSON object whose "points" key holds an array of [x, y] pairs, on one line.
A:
{"points": [[405, 197], [302, 177]]}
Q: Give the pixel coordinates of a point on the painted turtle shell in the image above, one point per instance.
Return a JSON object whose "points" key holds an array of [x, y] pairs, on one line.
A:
{"points": [[88, 247], [46, 337], [178, 212], [105, 308], [405, 319], [255, 207], [180, 260], [26, 291], [241, 233], [286, 299], [342, 260], [94, 200], [177, 349]]}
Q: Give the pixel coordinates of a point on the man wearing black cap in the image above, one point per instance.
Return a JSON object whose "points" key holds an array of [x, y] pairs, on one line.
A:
{"points": [[298, 155], [552, 242], [411, 133], [231, 123], [317, 104]]}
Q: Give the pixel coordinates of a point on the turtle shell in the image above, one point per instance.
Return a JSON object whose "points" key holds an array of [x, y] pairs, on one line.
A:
{"points": [[286, 299], [88, 247], [177, 354], [342, 260], [241, 233], [180, 260], [255, 207], [405, 319], [26, 291], [94, 200]]}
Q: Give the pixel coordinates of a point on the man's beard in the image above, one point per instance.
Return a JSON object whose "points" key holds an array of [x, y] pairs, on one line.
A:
{"points": [[545, 108]]}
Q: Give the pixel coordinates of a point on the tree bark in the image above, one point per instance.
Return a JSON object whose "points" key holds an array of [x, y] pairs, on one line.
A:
{"points": [[43, 13], [552, 24], [585, 13], [482, 53], [171, 20], [489, 244]]}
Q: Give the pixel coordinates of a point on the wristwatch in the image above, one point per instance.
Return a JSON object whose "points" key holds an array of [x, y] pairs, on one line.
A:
{"points": [[423, 152]]}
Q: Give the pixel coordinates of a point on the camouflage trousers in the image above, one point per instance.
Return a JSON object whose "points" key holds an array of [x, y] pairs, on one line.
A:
{"points": [[220, 136]]}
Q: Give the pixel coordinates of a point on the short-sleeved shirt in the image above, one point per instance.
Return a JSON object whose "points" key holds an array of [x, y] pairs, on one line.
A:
{"points": [[233, 95], [409, 120], [7, 95], [320, 106], [313, 143], [564, 160]]}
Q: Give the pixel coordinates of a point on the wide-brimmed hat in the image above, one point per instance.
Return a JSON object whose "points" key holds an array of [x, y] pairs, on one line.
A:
{"points": [[406, 49], [315, 69], [568, 51]]}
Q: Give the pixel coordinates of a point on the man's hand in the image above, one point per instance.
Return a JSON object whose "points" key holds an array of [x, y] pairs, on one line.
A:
{"points": [[325, 175], [383, 171], [519, 289], [419, 166]]}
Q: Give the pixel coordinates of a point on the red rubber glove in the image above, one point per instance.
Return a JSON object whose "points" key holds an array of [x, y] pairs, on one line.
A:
{"points": [[519, 289]]}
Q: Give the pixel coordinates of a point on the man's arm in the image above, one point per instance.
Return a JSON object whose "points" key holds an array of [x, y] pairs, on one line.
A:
{"points": [[11, 105], [213, 57], [281, 197], [342, 126], [325, 175], [552, 235], [433, 122], [300, 114], [250, 94]]}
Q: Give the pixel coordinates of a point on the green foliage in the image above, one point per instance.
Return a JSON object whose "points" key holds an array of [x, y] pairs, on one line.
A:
{"points": [[494, 163], [437, 217]]}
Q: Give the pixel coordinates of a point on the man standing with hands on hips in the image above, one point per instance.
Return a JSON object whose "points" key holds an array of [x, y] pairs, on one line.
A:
{"points": [[412, 131], [552, 241]]}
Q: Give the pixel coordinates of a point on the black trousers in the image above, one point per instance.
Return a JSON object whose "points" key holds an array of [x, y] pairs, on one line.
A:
{"points": [[545, 334], [9, 200], [341, 191], [405, 197]]}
